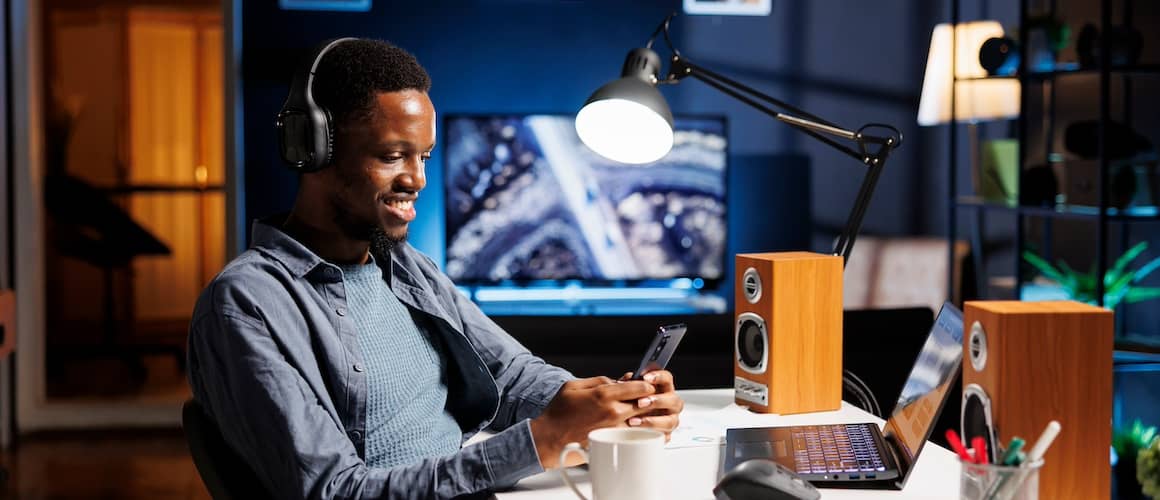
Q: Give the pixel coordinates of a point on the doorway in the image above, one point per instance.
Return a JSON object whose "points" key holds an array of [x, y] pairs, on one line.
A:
{"points": [[124, 218]]}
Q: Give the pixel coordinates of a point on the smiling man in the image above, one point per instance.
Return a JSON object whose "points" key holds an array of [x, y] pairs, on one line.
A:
{"points": [[339, 362]]}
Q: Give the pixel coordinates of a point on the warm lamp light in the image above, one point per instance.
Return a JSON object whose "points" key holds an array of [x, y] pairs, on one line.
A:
{"points": [[976, 98], [628, 120]]}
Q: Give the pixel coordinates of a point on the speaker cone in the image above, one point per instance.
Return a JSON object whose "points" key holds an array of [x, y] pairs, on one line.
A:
{"points": [[751, 342], [975, 419]]}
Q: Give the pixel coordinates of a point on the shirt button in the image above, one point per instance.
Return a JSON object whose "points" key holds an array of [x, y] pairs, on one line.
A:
{"points": [[355, 435], [341, 311], [358, 367]]}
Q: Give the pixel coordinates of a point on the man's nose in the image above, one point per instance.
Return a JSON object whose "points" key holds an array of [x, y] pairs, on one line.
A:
{"points": [[415, 177]]}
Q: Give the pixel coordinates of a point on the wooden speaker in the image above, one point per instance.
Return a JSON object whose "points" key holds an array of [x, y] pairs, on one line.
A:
{"points": [[1028, 363], [788, 332]]}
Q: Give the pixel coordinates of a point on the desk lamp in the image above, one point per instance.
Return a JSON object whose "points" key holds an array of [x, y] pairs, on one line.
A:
{"points": [[785, 363]]}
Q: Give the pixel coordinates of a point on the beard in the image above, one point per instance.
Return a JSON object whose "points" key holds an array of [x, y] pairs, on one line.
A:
{"points": [[358, 226], [382, 243]]}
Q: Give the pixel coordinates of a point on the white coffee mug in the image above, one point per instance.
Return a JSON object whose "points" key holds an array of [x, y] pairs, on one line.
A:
{"points": [[624, 463]]}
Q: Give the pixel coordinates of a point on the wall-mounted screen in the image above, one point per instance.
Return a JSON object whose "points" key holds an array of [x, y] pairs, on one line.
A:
{"points": [[526, 200]]}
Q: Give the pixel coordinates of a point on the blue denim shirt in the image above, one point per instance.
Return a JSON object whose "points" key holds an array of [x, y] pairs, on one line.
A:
{"points": [[275, 361]]}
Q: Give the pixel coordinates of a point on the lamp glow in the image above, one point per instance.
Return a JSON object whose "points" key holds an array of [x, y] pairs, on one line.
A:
{"points": [[628, 120], [624, 131], [976, 99]]}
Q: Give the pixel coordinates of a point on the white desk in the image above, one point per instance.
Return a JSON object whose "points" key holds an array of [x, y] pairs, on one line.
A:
{"points": [[693, 470]]}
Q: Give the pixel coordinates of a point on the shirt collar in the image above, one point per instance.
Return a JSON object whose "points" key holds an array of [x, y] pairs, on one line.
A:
{"points": [[270, 239]]}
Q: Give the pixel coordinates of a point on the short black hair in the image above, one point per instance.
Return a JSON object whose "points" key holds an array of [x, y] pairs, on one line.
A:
{"points": [[353, 72]]}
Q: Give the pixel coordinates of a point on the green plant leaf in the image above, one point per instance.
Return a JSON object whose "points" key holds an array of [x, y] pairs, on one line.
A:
{"points": [[1084, 284], [1122, 263], [1146, 269], [1043, 266], [1139, 294], [1119, 286]]}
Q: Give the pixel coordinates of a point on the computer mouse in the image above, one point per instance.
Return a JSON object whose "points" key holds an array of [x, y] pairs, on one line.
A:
{"points": [[765, 480]]}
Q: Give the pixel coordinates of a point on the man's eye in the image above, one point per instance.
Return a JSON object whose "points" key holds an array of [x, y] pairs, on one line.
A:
{"points": [[391, 159], [425, 157]]}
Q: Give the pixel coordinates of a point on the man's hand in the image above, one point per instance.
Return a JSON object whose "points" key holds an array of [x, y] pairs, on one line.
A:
{"points": [[593, 403], [583, 405], [665, 404]]}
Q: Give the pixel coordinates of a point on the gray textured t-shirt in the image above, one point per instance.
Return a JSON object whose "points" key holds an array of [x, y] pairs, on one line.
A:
{"points": [[406, 412]]}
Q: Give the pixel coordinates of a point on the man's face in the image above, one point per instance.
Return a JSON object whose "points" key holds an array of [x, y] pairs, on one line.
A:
{"points": [[378, 167]]}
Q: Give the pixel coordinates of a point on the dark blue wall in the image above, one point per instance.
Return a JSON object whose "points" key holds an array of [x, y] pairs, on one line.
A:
{"points": [[851, 62]]}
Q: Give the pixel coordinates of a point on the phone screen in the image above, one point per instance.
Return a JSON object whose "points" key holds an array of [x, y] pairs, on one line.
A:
{"points": [[660, 351]]}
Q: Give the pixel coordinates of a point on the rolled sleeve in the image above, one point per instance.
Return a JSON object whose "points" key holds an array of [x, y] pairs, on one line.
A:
{"points": [[511, 455]]}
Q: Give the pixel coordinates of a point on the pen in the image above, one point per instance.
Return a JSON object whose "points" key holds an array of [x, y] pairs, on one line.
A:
{"points": [[1012, 451], [1033, 456], [957, 446], [1015, 461], [1019, 459], [1044, 442], [980, 446]]}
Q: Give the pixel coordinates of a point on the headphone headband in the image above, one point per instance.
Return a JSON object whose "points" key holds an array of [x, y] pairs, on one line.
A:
{"points": [[305, 136]]}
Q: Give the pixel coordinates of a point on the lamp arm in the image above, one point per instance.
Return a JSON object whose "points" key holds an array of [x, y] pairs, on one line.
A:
{"points": [[814, 126]]}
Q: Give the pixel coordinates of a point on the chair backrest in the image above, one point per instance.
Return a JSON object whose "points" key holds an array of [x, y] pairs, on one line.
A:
{"points": [[901, 272], [225, 475]]}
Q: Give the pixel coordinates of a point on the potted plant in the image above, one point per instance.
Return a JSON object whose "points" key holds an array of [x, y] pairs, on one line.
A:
{"points": [[1120, 283], [1148, 469], [1128, 442]]}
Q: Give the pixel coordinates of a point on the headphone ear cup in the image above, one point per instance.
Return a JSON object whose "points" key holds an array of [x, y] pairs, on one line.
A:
{"points": [[327, 155], [320, 140], [306, 138]]}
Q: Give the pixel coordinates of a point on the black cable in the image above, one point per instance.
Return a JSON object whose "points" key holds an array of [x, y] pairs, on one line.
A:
{"points": [[855, 379], [857, 393]]}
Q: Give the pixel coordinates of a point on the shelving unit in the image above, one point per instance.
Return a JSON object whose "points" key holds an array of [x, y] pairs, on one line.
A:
{"points": [[1105, 217]]}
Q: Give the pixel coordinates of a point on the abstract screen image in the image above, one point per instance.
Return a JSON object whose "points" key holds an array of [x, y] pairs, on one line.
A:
{"points": [[526, 200]]}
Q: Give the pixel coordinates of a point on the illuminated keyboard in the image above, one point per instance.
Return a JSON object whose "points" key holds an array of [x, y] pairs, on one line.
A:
{"points": [[829, 449]]}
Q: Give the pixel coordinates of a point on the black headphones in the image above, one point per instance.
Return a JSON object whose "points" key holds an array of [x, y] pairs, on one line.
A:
{"points": [[305, 136]]}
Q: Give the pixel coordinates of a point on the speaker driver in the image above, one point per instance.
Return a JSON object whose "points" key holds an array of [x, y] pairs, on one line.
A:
{"points": [[976, 419], [752, 342], [751, 283], [977, 347]]}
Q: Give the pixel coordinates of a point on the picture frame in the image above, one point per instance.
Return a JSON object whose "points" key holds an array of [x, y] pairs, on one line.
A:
{"points": [[729, 7]]}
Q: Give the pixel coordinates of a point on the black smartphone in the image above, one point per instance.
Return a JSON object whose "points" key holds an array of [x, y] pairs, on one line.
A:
{"points": [[660, 351]]}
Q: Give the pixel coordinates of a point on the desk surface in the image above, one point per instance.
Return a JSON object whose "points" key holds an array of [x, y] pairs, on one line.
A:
{"points": [[694, 456]]}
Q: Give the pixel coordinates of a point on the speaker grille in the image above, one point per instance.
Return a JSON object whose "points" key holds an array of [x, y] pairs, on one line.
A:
{"points": [[751, 285]]}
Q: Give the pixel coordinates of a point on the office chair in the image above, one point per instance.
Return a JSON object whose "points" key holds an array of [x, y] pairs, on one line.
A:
{"points": [[225, 475]]}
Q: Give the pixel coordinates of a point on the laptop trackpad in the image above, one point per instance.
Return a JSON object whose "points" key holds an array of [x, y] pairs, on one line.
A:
{"points": [[760, 449]]}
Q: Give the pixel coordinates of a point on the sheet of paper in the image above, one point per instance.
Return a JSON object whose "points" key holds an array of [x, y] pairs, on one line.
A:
{"points": [[700, 429]]}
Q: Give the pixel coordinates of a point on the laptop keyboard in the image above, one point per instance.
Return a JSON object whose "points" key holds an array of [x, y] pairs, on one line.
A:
{"points": [[828, 449]]}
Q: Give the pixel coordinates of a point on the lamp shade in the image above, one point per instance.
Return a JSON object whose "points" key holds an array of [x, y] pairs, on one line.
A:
{"points": [[976, 98], [628, 120]]}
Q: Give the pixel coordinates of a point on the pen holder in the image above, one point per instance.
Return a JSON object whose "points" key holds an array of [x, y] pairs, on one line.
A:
{"points": [[999, 482]]}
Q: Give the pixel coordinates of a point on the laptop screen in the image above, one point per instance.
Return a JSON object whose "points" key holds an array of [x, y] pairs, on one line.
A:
{"points": [[926, 389]]}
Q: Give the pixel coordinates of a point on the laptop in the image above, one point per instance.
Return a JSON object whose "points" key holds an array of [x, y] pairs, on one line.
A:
{"points": [[863, 455]]}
